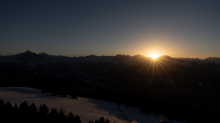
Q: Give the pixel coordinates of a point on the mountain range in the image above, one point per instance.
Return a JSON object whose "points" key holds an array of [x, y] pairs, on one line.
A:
{"points": [[166, 83]]}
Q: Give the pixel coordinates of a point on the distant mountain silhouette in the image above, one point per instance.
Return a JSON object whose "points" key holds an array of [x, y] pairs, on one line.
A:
{"points": [[213, 59], [43, 54], [171, 86], [165, 57]]}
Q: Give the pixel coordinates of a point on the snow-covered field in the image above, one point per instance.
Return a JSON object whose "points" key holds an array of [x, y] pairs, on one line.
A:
{"points": [[86, 108]]}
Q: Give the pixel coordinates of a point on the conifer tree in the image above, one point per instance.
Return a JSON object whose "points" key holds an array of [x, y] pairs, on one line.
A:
{"points": [[102, 120], [78, 120], [33, 109], [23, 112], [15, 107], [107, 121], [8, 105], [33, 113], [43, 110], [53, 111], [71, 118], [53, 115], [2, 103], [24, 108], [61, 116]]}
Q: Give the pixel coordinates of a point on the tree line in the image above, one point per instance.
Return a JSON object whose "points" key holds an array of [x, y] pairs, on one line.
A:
{"points": [[26, 113]]}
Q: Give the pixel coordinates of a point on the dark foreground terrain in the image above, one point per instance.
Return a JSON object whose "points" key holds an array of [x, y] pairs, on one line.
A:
{"points": [[26, 113], [180, 88]]}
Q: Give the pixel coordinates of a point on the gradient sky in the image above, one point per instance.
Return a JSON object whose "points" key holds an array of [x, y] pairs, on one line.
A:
{"points": [[179, 28]]}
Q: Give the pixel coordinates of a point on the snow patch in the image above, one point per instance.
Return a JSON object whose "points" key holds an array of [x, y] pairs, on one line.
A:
{"points": [[86, 108]]}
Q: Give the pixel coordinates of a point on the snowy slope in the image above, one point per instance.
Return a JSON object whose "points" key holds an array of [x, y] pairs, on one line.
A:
{"points": [[86, 108]]}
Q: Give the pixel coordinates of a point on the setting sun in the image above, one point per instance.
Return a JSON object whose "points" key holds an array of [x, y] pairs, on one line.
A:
{"points": [[154, 55]]}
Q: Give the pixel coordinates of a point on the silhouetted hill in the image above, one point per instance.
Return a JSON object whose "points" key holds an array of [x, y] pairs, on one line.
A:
{"points": [[213, 59]]}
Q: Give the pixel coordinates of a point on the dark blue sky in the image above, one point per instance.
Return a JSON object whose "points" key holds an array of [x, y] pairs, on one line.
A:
{"points": [[179, 28]]}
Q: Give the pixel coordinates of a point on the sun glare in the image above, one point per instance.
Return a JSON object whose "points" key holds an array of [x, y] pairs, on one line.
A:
{"points": [[154, 55]]}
